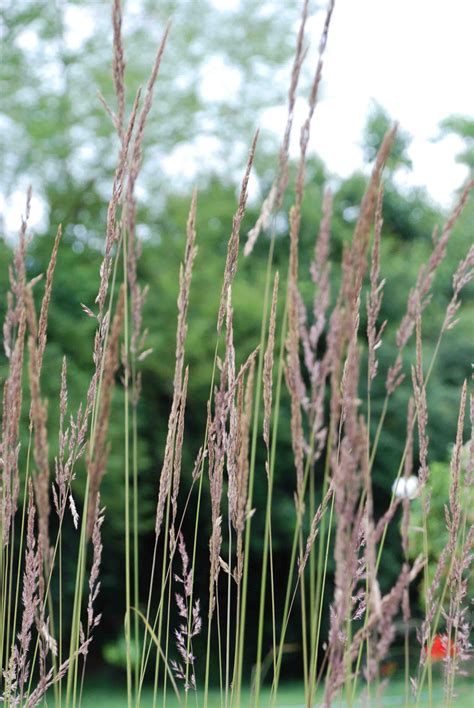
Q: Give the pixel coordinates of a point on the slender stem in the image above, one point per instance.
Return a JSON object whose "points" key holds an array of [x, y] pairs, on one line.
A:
{"points": [[237, 630], [426, 580], [312, 561], [208, 648], [196, 525], [263, 580], [219, 643], [272, 593], [304, 630], [255, 428], [8, 581], [228, 625], [170, 577], [60, 630], [20, 550], [128, 603], [136, 557], [3, 594], [145, 651], [321, 568], [407, 665], [151, 630], [321, 602], [76, 613], [268, 512], [286, 608], [162, 595], [81, 561]]}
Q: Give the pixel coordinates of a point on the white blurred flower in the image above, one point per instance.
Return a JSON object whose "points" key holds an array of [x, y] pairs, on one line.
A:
{"points": [[406, 488]]}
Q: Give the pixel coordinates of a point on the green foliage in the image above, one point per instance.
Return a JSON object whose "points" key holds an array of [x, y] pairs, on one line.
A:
{"points": [[440, 482], [463, 127], [56, 57], [378, 122]]}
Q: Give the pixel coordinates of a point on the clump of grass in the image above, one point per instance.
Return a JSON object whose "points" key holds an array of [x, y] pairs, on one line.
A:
{"points": [[327, 422]]}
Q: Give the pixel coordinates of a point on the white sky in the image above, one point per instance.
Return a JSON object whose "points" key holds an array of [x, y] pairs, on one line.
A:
{"points": [[413, 57], [416, 58]]}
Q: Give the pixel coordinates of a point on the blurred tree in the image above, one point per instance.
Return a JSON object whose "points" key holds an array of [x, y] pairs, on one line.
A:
{"points": [[463, 127], [378, 122], [211, 89], [440, 480]]}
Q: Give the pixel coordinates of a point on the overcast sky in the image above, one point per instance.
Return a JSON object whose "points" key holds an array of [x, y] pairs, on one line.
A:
{"points": [[413, 57], [416, 58]]}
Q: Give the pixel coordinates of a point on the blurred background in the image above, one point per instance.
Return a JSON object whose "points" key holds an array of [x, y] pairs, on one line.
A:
{"points": [[226, 71]]}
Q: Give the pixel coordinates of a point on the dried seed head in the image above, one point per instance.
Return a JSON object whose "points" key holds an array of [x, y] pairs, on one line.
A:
{"points": [[234, 240], [268, 366], [98, 452]]}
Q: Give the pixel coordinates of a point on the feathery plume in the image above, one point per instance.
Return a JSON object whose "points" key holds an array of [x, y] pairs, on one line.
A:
{"points": [[420, 296], [147, 104], [112, 230], [94, 583], [319, 269], [389, 603], [138, 295], [38, 421], [222, 444], [43, 318], [98, 453], [136, 156], [54, 676], [118, 66], [470, 459], [354, 276], [383, 620], [14, 330], [346, 463], [463, 275], [268, 365], [17, 274], [457, 624], [234, 240], [457, 565], [408, 467], [177, 460], [315, 528], [241, 508], [93, 620], [30, 597], [192, 625], [317, 370], [181, 331], [313, 97], [422, 411], [10, 448], [275, 196], [71, 447], [374, 298]]}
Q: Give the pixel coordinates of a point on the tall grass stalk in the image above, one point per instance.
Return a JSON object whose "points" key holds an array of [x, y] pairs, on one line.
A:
{"points": [[125, 355], [82, 552], [328, 423]]}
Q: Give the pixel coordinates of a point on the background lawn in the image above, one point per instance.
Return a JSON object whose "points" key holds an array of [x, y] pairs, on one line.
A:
{"points": [[290, 696]]}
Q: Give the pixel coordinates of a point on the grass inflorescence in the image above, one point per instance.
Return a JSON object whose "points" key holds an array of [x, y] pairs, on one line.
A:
{"points": [[312, 356]]}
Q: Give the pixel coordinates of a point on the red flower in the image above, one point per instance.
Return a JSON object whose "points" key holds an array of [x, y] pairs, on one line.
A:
{"points": [[440, 647]]}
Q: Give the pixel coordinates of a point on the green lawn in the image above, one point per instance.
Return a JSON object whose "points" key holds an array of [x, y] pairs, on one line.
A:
{"points": [[290, 696]]}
